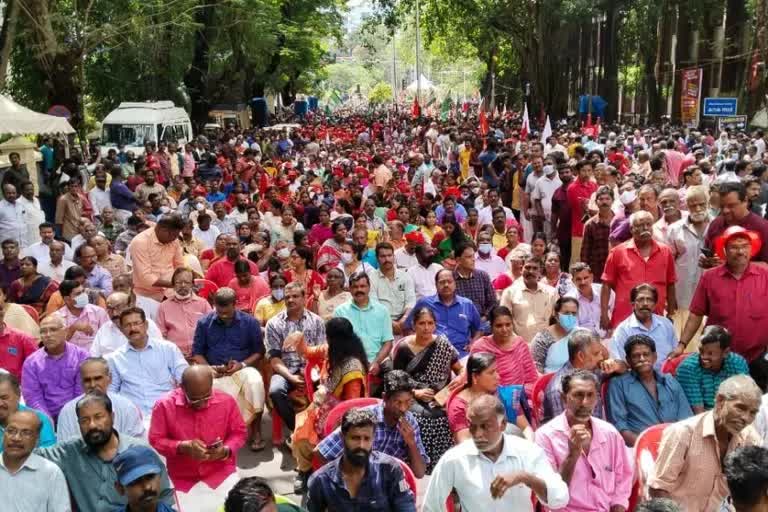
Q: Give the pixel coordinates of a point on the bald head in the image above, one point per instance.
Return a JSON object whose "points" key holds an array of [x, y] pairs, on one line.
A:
{"points": [[54, 321], [197, 382]]}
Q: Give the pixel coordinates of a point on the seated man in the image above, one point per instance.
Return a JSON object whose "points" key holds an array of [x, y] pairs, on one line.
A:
{"points": [[10, 396], [138, 480], [746, 471], [27, 481], [644, 397], [377, 480], [95, 377], [15, 345], [701, 374], [254, 492], [494, 470], [589, 452], [199, 430], [144, 369], [110, 337], [230, 341], [87, 462], [124, 283], [585, 352], [688, 467], [49, 376], [82, 319], [398, 433]]}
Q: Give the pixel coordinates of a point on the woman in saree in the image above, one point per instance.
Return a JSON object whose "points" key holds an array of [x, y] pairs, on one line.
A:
{"points": [[322, 231], [32, 288], [333, 296], [451, 237], [343, 371], [431, 361], [329, 255]]}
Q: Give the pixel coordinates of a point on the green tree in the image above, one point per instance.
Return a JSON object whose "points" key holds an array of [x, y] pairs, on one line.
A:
{"points": [[381, 93]]}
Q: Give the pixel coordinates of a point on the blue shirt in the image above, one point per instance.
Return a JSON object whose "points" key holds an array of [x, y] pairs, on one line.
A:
{"points": [[386, 439], [100, 278], [631, 407], [145, 376], [662, 332], [47, 436], [458, 322], [121, 196], [486, 157], [220, 343], [47, 152], [383, 489], [373, 324]]}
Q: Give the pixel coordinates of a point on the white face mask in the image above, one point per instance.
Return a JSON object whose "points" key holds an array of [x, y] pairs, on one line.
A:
{"points": [[283, 253], [346, 258], [200, 207], [81, 300], [485, 248]]}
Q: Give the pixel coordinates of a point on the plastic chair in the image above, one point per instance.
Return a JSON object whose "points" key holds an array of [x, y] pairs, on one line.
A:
{"points": [[32, 312], [648, 441], [206, 288], [670, 365], [537, 400], [334, 417]]}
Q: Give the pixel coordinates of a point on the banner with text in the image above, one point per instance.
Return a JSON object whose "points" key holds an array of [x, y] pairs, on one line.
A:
{"points": [[690, 96]]}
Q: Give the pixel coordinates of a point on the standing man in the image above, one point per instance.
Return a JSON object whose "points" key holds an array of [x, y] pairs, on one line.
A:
{"points": [[639, 260], [12, 217], [288, 365], [10, 266], [55, 266], [392, 287], [486, 259], [370, 320], [587, 292], [688, 466], [199, 431], [69, 210], [457, 317], [561, 216], [494, 470], [644, 396], [27, 481], [472, 283], [578, 195], [589, 452], [155, 254], [542, 195], [95, 377], [424, 271], [530, 301], [230, 341], [41, 250], [597, 230]]}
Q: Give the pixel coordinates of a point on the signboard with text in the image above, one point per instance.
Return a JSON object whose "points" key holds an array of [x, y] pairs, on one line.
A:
{"points": [[717, 107], [731, 123], [690, 95]]}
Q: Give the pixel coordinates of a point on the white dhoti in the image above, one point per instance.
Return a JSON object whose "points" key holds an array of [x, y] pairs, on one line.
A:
{"points": [[201, 497], [247, 388]]}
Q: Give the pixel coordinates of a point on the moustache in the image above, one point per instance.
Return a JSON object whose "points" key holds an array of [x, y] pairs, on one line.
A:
{"points": [[148, 496]]}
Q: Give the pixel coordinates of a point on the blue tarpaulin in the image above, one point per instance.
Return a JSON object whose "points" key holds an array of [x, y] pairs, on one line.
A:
{"points": [[598, 105]]}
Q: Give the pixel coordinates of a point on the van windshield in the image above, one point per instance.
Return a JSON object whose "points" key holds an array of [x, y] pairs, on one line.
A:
{"points": [[127, 134]]}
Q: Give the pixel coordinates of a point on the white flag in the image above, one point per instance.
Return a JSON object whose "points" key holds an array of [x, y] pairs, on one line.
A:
{"points": [[547, 133], [526, 126]]}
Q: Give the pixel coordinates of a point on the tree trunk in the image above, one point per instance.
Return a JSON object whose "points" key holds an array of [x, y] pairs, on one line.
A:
{"points": [[610, 83], [7, 36], [196, 77]]}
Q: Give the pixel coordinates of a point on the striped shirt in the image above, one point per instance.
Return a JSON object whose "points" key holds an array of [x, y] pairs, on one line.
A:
{"points": [[280, 326], [700, 384]]}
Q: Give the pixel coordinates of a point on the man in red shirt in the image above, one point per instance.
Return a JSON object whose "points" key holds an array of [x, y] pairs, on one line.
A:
{"points": [[15, 347], [733, 296], [223, 271], [578, 195], [639, 260]]}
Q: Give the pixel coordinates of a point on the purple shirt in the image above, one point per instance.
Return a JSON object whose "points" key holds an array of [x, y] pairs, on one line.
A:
{"points": [[100, 278], [50, 382], [92, 315]]}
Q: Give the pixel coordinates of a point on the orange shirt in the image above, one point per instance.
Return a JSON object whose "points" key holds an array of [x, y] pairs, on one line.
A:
{"points": [[153, 260]]}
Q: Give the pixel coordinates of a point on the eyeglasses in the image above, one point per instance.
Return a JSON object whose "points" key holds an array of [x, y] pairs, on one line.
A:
{"points": [[23, 434]]}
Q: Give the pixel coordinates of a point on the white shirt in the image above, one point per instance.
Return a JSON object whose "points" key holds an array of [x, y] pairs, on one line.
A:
{"points": [[465, 469], [79, 240], [128, 419], [41, 252], [109, 338], [54, 272], [33, 218], [485, 215], [424, 279], [12, 226], [761, 420], [403, 260], [149, 305], [493, 265], [544, 190], [38, 485], [686, 246], [207, 237], [99, 199]]}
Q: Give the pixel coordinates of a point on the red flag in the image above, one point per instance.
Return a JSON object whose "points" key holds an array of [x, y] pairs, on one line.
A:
{"points": [[526, 127], [483, 123], [415, 109]]}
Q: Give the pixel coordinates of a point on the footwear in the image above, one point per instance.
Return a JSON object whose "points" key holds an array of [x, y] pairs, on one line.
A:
{"points": [[300, 482]]}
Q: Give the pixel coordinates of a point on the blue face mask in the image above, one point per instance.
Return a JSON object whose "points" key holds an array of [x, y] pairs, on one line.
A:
{"points": [[567, 322]]}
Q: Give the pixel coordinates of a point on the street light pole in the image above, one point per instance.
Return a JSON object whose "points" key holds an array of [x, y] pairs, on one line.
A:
{"points": [[418, 52]]}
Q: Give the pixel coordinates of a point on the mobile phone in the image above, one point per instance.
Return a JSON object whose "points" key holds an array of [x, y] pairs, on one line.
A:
{"points": [[707, 252], [215, 444]]}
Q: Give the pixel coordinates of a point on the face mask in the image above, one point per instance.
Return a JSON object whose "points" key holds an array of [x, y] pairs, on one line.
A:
{"points": [[164, 209], [628, 197], [567, 322], [283, 253], [484, 248], [182, 297], [278, 294], [258, 247], [465, 195], [81, 300], [346, 258], [199, 207]]}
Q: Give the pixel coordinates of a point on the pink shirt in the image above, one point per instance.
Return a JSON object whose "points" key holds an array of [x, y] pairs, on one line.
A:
{"points": [[601, 479], [92, 315], [177, 320], [514, 364], [223, 271], [248, 296], [174, 421], [151, 261]]}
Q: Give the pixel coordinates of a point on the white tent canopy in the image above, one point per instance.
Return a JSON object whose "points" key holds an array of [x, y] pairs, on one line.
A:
{"points": [[426, 85], [18, 120]]}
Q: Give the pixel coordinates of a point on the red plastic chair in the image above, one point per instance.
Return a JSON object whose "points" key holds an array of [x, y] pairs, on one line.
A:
{"points": [[32, 312], [537, 400], [670, 365], [648, 441], [334, 417], [205, 288]]}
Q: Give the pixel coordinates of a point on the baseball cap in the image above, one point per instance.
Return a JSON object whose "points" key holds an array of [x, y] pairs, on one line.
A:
{"points": [[134, 463]]}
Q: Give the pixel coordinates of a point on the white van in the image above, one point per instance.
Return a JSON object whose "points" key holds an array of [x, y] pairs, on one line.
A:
{"points": [[133, 124]]}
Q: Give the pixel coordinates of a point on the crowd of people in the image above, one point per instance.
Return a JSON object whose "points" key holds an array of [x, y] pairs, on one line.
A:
{"points": [[512, 318]]}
